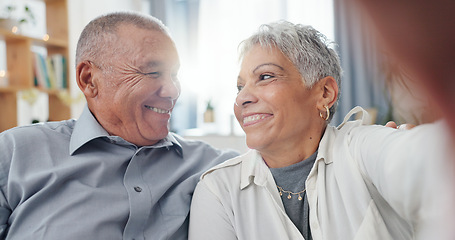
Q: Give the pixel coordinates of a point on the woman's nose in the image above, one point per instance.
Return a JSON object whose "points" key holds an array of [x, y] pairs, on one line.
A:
{"points": [[245, 97]]}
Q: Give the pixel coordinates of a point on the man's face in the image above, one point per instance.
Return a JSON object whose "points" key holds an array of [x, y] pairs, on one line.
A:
{"points": [[138, 86]]}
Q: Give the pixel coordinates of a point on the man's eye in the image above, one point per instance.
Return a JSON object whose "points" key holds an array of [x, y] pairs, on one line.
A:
{"points": [[265, 76], [175, 77], [152, 74], [239, 88]]}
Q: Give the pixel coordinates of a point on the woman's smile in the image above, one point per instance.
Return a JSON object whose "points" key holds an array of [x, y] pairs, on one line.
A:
{"points": [[255, 118]]}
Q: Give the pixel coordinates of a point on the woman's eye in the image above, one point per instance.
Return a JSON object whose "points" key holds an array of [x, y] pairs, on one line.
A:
{"points": [[265, 76]]}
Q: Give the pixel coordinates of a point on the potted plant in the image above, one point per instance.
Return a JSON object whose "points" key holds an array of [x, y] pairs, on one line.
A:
{"points": [[15, 17], [209, 114]]}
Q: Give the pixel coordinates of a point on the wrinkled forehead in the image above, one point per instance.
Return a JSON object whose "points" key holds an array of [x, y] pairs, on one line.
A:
{"points": [[132, 41], [127, 32]]}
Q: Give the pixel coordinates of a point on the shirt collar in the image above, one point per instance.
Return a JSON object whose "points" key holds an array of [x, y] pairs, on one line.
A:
{"points": [[325, 145], [254, 170], [87, 128], [329, 139], [170, 141]]}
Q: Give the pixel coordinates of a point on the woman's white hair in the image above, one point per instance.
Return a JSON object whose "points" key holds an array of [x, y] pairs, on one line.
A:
{"points": [[308, 49]]}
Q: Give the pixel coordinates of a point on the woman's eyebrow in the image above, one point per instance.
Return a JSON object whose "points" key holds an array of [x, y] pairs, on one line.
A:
{"points": [[267, 64]]}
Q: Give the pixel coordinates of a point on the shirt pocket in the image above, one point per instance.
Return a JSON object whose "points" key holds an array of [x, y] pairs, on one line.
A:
{"points": [[373, 226]]}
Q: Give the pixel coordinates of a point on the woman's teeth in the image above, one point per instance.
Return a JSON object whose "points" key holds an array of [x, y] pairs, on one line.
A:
{"points": [[253, 118]]}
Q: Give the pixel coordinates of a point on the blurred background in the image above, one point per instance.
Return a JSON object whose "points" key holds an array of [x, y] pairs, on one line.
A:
{"points": [[207, 33]]}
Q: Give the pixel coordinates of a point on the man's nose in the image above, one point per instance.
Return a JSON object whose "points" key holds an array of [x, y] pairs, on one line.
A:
{"points": [[170, 88]]}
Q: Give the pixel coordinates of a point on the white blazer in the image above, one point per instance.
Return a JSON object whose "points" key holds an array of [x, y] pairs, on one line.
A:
{"points": [[368, 182]]}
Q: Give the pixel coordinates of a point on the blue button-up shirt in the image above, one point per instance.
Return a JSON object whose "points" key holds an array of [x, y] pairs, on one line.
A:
{"points": [[71, 180]]}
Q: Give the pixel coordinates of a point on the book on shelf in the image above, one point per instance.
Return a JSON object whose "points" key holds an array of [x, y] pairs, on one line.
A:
{"points": [[50, 72]]}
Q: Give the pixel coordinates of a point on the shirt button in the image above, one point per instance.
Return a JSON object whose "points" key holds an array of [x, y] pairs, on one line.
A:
{"points": [[138, 189]]}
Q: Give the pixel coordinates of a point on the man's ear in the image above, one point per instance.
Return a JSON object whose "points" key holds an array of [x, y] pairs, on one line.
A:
{"points": [[329, 92], [85, 79]]}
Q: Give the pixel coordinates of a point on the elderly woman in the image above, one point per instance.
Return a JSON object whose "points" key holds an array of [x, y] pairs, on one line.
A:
{"points": [[304, 179]]}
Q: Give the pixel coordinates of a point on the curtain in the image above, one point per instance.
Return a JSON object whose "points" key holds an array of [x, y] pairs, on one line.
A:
{"points": [[363, 78]]}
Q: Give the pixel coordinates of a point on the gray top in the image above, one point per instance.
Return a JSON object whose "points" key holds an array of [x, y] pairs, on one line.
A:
{"points": [[71, 180], [292, 178]]}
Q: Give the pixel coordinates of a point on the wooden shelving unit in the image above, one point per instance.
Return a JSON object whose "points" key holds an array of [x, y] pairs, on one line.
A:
{"points": [[19, 60]]}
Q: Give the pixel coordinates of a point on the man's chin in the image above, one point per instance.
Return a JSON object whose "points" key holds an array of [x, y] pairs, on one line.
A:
{"points": [[157, 135]]}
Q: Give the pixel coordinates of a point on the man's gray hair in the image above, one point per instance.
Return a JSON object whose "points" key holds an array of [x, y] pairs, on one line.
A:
{"points": [[97, 36], [308, 49]]}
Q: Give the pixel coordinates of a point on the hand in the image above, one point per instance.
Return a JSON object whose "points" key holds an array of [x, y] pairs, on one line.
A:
{"points": [[405, 126]]}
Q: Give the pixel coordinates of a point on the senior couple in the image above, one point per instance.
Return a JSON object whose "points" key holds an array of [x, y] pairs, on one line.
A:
{"points": [[118, 173]]}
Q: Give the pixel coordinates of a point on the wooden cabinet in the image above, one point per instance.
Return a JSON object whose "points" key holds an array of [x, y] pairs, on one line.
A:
{"points": [[20, 66]]}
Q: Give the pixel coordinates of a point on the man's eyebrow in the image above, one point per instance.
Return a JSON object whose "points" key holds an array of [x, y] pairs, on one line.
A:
{"points": [[160, 63], [266, 64], [239, 79], [148, 66], [152, 64]]}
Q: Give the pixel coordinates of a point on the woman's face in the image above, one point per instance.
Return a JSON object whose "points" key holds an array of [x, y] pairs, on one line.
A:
{"points": [[273, 106]]}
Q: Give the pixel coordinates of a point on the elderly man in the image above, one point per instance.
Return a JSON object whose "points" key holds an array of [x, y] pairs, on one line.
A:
{"points": [[117, 172]]}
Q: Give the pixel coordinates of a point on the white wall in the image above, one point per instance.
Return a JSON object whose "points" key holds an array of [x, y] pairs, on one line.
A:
{"points": [[224, 142]]}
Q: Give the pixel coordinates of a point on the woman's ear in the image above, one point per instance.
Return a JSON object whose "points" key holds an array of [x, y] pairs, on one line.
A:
{"points": [[330, 91], [86, 80]]}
